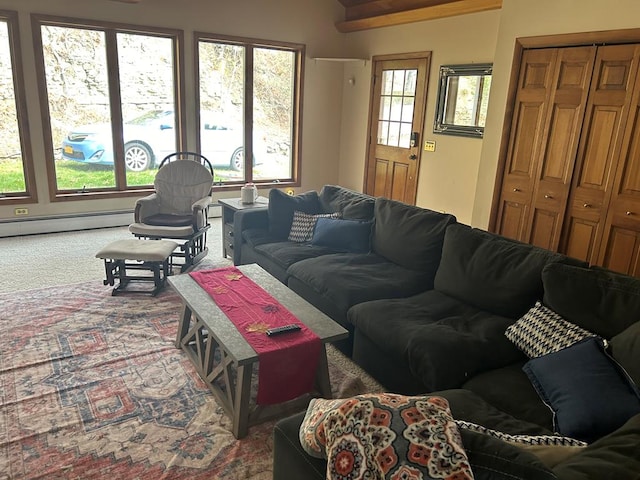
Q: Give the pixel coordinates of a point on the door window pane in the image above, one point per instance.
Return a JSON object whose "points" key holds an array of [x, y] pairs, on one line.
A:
{"points": [[76, 74], [397, 107], [148, 104], [12, 175]]}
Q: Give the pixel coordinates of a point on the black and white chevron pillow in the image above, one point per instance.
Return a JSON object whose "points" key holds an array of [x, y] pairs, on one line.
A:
{"points": [[303, 225], [550, 440], [541, 331]]}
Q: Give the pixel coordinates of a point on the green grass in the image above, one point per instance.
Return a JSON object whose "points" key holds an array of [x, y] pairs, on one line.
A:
{"points": [[75, 176]]}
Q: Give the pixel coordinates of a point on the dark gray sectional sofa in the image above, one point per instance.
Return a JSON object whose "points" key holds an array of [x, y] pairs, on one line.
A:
{"points": [[427, 307]]}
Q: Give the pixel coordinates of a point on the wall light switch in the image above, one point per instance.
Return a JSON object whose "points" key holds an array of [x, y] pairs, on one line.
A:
{"points": [[430, 145]]}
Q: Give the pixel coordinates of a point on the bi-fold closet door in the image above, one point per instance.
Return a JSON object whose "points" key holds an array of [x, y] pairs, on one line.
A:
{"points": [[571, 179]]}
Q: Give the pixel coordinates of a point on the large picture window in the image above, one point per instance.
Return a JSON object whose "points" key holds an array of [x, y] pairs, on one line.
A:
{"points": [[17, 183], [111, 104], [249, 108]]}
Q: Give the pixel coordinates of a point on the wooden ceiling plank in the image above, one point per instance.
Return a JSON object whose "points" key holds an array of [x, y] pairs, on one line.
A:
{"points": [[460, 7], [374, 8]]}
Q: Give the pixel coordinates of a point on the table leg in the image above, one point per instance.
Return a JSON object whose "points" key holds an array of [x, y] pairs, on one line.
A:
{"points": [[323, 381], [183, 325], [241, 401]]}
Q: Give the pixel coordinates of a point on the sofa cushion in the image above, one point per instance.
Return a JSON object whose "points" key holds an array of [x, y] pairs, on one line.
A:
{"points": [[598, 300], [343, 235], [281, 208], [409, 236], [439, 339], [285, 254], [304, 224], [509, 390], [541, 331], [352, 205], [346, 279], [491, 272], [588, 393], [625, 349], [385, 435]]}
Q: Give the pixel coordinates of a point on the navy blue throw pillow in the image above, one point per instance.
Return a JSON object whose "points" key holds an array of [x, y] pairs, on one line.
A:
{"points": [[589, 393], [343, 235]]}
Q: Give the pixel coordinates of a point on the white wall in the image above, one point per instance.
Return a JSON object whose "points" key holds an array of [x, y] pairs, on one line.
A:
{"points": [[447, 178], [309, 22], [524, 18]]}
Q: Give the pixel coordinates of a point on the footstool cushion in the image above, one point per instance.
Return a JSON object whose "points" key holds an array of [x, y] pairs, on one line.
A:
{"points": [[137, 254], [142, 250]]}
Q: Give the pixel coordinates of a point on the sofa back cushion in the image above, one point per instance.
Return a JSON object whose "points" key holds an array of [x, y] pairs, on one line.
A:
{"points": [[596, 299], [350, 204], [282, 206], [409, 236], [491, 272]]}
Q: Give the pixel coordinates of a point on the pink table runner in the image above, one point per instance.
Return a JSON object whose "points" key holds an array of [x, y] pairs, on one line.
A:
{"points": [[287, 362]]}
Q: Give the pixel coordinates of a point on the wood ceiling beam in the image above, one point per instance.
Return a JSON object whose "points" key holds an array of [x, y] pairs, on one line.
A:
{"points": [[451, 9]]}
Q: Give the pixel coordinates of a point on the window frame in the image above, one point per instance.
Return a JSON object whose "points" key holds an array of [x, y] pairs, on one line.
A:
{"points": [[15, 51], [296, 128], [110, 30]]}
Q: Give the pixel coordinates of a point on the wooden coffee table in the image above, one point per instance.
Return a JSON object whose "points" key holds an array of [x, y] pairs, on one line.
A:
{"points": [[225, 360]]}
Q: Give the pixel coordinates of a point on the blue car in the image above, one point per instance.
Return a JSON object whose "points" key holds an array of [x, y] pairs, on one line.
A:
{"points": [[151, 137]]}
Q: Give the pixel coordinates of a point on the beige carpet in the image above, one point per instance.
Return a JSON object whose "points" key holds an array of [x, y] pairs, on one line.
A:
{"points": [[36, 261]]}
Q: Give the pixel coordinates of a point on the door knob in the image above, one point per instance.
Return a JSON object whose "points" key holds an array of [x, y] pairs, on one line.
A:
{"points": [[413, 157], [516, 189], [629, 213], [587, 205], [548, 196]]}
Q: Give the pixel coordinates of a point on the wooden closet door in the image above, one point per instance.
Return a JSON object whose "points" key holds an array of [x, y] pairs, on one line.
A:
{"points": [[527, 129], [600, 149], [561, 135], [620, 250]]}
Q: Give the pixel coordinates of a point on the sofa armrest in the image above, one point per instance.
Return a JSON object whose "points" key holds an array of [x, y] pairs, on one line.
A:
{"points": [[146, 206], [289, 458], [614, 456], [254, 218]]}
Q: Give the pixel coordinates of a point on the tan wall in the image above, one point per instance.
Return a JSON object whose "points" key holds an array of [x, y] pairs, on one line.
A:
{"points": [[447, 176], [524, 18], [310, 22]]}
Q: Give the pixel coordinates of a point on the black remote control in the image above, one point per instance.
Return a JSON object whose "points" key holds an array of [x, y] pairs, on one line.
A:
{"points": [[284, 329]]}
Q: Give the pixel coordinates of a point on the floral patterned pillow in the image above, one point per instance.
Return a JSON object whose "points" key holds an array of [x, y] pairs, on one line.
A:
{"points": [[385, 436]]}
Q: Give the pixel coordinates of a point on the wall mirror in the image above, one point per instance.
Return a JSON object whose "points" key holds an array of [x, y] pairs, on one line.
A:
{"points": [[463, 98]]}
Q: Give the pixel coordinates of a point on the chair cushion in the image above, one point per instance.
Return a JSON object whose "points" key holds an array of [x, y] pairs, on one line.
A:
{"points": [[166, 219], [180, 184]]}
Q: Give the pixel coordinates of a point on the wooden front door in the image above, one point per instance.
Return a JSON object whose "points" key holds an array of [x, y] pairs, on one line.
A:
{"points": [[396, 124]]}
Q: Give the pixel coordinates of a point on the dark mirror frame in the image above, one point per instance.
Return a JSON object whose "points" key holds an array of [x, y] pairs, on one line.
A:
{"points": [[443, 121]]}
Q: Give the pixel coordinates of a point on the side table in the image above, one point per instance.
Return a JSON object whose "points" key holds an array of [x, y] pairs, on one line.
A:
{"points": [[229, 207]]}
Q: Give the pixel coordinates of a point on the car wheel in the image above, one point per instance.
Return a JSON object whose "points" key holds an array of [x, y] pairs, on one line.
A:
{"points": [[237, 159], [137, 157]]}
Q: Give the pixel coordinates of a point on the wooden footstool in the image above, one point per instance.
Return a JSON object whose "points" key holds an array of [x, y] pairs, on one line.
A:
{"points": [[131, 254]]}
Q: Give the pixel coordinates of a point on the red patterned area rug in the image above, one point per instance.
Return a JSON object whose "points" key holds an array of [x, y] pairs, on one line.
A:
{"points": [[93, 387]]}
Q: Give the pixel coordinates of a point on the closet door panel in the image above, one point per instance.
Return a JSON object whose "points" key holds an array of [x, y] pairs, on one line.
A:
{"points": [[526, 140], [582, 238], [600, 146], [621, 250], [572, 79]]}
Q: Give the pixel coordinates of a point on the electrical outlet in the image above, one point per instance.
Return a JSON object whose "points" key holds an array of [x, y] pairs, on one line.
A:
{"points": [[21, 211], [430, 146]]}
